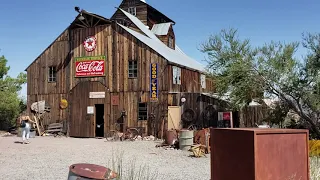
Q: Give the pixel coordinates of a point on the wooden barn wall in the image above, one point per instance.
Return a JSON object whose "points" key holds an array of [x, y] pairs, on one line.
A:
{"points": [[165, 38], [104, 45], [251, 115], [119, 47], [140, 6], [37, 78], [81, 124], [131, 91], [197, 103], [210, 86], [190, 81], [126, 49], [37, 74], [128, 101], [53, 100]]}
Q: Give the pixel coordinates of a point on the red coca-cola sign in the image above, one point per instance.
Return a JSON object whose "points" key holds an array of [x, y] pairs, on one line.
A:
{"points": [[90, 66]]}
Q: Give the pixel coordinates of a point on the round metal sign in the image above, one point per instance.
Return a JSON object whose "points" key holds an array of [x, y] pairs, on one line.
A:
{"points": [[90, 43], [63, 103]]}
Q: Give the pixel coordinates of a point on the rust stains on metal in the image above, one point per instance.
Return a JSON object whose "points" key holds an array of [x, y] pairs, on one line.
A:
{"points": [[257, 153], [92, 171]]}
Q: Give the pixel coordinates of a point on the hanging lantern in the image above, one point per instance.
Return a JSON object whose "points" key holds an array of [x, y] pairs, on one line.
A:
{"points": [[63, 103]]}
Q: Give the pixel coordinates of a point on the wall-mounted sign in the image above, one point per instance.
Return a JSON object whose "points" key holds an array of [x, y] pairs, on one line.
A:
{"points": [[154, 82], [90, 110], [115, 100], [225, 119], [96, 95], [90, 66], [63, 103], [90, 43]]}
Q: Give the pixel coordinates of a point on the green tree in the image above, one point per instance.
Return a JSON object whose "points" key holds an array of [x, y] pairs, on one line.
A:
{"points": [[272, 70], [278, 114], [9, 89]]}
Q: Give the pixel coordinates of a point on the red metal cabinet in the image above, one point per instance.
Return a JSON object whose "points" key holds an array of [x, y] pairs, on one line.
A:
{"points": [[259, 154]]}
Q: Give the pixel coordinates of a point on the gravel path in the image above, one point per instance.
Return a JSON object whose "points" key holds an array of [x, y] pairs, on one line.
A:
{"points": [[49, 158]]}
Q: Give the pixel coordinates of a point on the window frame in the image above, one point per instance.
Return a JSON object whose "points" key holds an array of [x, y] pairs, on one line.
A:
{"points": [[52, 74], [132, 10], [176, 75], [144, 110], [133, 69]]}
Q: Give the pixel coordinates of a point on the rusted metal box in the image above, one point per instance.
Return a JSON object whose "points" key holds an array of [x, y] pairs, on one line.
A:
{"points": [[259, 154]]}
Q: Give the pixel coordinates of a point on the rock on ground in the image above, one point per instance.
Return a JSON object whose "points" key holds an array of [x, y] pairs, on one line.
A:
{"points": [[49, 158]]}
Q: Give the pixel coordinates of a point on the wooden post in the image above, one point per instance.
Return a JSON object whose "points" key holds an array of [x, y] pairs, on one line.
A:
{"points": [[162, 128], [36, 120]]}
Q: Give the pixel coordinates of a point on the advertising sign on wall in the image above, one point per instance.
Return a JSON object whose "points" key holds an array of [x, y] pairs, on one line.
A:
{"points": [[90, 43], [225, 120], [90, 66], [154, 82]]}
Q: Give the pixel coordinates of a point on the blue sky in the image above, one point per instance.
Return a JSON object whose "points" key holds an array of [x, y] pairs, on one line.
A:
{"points": [[28, 27]]}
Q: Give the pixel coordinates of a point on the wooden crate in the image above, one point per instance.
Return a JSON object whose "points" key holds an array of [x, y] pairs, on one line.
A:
{"points": [[259, 154]]}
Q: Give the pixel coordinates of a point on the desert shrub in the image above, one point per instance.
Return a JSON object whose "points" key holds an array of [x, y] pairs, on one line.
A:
{"points": [[130, 171], [314, 148]]}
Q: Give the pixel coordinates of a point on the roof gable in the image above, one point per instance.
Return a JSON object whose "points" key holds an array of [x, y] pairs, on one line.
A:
{"points": [[174, 56]]}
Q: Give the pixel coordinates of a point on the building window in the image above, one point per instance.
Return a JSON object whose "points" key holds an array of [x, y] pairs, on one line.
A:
{"points": [[170, 42], [133, 69], [52, 74], [132, 10], [203, 81], [143, 111], [176, 74]]}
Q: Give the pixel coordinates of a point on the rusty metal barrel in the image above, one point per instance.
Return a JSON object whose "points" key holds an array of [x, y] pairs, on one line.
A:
{"points": [[171, 136], [90, 171]]}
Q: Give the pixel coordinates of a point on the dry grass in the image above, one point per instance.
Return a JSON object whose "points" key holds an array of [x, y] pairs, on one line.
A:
{"points": [[131, 172], [315, 168]]}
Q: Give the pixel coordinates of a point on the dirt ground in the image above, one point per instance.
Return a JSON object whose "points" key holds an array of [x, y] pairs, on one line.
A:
{"points": [[50, 158]]}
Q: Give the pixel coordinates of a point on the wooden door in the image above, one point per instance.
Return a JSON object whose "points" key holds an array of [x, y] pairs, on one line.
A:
{"points": [[82, 122], [174, 117]]}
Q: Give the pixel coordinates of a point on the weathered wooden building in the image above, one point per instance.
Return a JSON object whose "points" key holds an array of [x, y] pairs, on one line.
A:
{"points": [[129, 63]]}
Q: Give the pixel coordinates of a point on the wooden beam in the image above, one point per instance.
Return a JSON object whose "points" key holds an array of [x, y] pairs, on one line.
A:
{"points": [[92, 21], [87, 25], [96, 23], [87, 22], [80, 25]]}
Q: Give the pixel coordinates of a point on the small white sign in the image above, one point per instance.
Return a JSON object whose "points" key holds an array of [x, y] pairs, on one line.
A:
{"points": [[203, 81], [95, 95], [90, 110]]}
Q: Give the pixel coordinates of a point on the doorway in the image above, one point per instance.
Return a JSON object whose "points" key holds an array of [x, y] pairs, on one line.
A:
{"points": [[99, 120]]}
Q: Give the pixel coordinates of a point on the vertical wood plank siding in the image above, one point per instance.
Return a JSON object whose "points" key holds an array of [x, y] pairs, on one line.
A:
{"points": [[82, 124], [119, 47]]}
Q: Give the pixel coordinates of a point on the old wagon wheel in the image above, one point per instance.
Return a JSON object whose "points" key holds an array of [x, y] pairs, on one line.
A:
{"points": [[133, 133], [113, 136], [189, 115], [193, 127], [208, 115]]}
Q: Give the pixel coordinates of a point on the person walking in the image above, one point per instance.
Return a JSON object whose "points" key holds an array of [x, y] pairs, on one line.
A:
{"points": [[25, 124]]}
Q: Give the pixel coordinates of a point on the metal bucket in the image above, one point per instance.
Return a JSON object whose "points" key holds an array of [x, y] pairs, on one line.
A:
{"points": [[89, 172], [185, 139], [171, 136]]}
